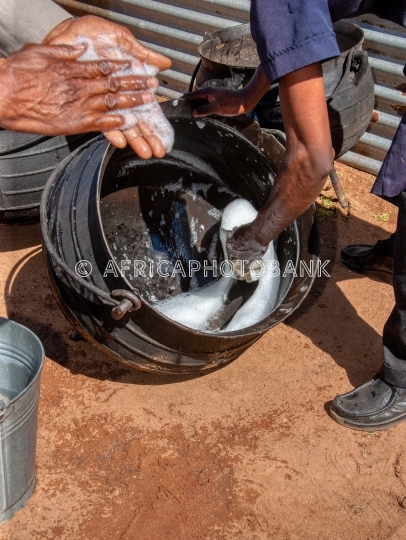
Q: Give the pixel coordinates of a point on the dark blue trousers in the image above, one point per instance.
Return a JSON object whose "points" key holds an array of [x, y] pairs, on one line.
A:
{"points": [[394, 332]]}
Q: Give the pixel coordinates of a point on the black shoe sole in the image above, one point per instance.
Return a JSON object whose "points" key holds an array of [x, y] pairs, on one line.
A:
{"points": [[347, 422]]}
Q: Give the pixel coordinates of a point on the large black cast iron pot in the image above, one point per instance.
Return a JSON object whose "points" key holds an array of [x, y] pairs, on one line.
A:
{"points": [[105, 206], [229, 59]]}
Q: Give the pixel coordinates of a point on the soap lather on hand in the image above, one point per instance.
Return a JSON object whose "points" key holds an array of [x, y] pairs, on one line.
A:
{"points": [[143, 122]]}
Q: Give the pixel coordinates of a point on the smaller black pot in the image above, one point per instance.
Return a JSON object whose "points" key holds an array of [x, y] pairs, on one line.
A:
{"points": [[229, 59]]}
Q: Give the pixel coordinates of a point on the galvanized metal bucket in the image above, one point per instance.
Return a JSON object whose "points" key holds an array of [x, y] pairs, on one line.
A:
{"points": [[21, 361]]}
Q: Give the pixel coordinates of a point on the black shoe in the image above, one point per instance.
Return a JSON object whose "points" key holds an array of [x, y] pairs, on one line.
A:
{"points": [[372, 406], [373, 261]]}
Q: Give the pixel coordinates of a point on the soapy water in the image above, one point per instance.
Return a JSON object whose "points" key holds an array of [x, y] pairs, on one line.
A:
{"points": [[150, 113], [199, 309], [215, 212], [196, 309], [134, 232]]}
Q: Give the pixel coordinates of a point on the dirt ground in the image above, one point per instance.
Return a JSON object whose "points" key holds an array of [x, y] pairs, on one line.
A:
{"points": [[246, 452]]}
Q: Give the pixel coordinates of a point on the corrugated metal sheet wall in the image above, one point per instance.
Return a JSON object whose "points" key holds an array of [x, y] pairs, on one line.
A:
{"points": [[173, 28], [176, 29]]}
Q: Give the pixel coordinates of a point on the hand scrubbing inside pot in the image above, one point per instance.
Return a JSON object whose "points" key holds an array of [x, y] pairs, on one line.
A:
{"points": [[262, 302], [239, 212], [207, 309]]}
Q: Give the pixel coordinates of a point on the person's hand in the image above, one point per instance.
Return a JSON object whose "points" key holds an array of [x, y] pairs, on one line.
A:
{"points": [[243, 245], [221, 101], [44, 90], [225, 102], [141, 138], [95, 28]]}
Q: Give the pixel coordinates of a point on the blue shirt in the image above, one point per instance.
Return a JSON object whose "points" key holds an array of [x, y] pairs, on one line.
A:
{"points": [[292, 34]]}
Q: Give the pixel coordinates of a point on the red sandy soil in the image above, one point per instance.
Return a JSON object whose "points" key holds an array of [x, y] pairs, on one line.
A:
{"points": [[245, 452]]}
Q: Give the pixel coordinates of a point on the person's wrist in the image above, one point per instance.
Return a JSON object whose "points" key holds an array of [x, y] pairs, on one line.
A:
{"points": [[256, 87], [248, 99], [256, 230]]}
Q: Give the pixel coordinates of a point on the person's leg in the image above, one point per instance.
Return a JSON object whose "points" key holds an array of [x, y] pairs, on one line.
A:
{"points": [[394, 332], [376, 261], [381, 402]]}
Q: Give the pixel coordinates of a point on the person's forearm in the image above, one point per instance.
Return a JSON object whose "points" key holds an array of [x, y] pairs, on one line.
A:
{"points": [[307, 162], [309, 154], [292, 194], [27, 21], [257, 87]]}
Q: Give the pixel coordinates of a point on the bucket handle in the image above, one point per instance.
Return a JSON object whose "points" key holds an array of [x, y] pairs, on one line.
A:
{"points": [[53, 254], [119, 308]]}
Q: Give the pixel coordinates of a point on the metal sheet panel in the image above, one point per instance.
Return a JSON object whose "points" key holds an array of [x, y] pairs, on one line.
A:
{"points": [[176, 29]]}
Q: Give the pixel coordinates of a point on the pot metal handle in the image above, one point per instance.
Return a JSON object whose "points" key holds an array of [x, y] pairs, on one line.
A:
{"points": [[360, 65], [192, 80], [130, 303]]}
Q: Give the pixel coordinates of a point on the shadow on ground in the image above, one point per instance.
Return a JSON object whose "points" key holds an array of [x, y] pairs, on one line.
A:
{"points": [[328, 317]]}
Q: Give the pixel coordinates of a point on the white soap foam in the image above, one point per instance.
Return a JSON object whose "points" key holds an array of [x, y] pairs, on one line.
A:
{"points": [[149, 112], [193, 233], [173, 186], [195, 309], [262, 302], [214, 212], [195, 188], [237, 213], [200, 187]]}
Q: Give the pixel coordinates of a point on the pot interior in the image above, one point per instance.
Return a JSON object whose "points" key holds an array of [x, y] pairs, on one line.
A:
{"points": [[166, 213]]}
